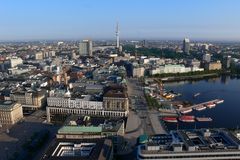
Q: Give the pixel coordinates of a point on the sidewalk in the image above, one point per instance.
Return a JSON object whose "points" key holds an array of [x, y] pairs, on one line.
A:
{"points": [[157, 126], [133, 122]]}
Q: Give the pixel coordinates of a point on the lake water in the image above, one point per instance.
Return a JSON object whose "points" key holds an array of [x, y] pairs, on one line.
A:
{"points": [[225, 115]]}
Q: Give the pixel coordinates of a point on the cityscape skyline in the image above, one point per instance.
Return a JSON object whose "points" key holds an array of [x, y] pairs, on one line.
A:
{"points": [[106, 80], [155, 20]]}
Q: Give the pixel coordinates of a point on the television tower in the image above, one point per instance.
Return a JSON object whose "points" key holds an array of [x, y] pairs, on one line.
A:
{"points": [[117, 36]]}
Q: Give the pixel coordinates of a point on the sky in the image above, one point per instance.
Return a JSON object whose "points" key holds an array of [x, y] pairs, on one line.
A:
{"points": [[138, 19]]}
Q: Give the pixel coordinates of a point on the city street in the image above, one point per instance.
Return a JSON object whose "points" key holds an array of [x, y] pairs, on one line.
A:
{"points": [[138, 105], [140, 120]]}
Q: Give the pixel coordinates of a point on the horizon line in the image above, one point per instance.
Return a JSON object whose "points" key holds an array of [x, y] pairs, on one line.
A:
{"points": [[125, 39]]}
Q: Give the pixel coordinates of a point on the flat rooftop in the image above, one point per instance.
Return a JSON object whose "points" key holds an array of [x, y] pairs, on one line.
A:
{"points": [[76, 149], [117, 91], [202, 140], [76, 124], [7, 104], [63, 93]]}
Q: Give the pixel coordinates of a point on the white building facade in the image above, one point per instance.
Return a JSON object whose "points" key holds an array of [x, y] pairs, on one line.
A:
{"points": [[61, 105], [174, 69], [15, 61]]}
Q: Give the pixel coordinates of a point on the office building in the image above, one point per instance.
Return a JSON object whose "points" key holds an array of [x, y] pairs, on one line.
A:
{"points": [[213, 65], [193, 63], [52, 53], [30, 100], [186, 45], [85, 48], [4, 65], [227, 62], [145, 43], [206, 58], [116, 99], [100, 134], [15, 61], [90, 127], [202, 144], [39, 56], [17, 71], [79, 149], [64, 103], [138, 71], [10, 112], [59, 105], [170, 69]]}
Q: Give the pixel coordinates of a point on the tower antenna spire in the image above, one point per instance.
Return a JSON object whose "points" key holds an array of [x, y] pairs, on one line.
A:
{"points": [[117, 36]]}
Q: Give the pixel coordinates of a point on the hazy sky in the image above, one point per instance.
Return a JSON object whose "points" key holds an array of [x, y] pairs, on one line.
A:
{"points": [[138, 19]]}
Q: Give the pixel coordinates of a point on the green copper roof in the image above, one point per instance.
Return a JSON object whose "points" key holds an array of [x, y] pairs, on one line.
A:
{"points": [[143, 139], [79, 129]]}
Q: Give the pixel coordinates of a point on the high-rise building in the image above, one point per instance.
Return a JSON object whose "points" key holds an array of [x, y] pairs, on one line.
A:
{"points": [[38, 56], [117, 36], [73, 56], [144, 43], [85, 48], [186, 45], [206, 57], [14, 61], [52, 54], [227, 62]]}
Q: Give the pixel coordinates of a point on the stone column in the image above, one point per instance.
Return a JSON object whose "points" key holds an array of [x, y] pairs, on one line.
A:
{"points": [[48, 115]]}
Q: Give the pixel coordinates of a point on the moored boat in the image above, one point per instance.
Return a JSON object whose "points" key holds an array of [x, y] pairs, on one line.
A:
{"points": [[187, 118], [170, 119], [197, 94], [219, 101], [184, 111], [164, 94], [169, 96], [203, 119], [211, 105], [200, 108]]}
